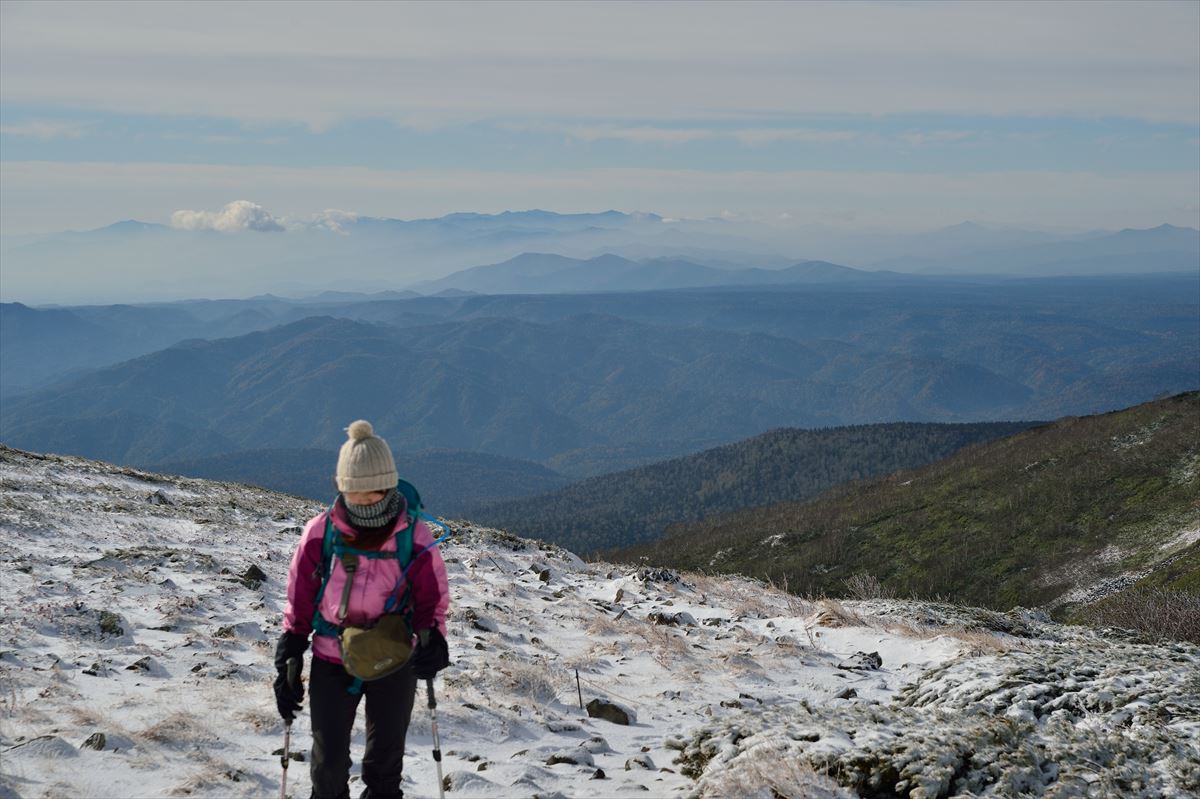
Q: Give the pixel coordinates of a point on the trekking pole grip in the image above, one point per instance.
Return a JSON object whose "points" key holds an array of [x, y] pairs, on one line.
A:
{"points": [[293, 670], [429, 694]]}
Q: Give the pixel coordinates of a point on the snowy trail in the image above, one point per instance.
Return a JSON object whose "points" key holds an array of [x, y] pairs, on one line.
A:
{"points": [[130, 608]]}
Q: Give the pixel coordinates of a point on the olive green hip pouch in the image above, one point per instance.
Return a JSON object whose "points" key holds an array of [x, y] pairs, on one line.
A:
{"points": [[372, 653]]}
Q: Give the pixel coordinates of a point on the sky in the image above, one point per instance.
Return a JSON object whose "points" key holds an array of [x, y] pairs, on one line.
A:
{"points": [[901, 115]]}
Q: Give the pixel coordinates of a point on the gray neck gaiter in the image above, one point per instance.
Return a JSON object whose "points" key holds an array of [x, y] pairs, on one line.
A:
{"points": [[377, 514]]}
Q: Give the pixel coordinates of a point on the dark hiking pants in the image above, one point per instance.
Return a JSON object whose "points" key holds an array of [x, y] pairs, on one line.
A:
{"points": [[389, 705]]}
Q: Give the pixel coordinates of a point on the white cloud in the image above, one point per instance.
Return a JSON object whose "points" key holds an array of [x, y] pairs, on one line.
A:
{"points": [[334, 219], [919, 138], [682, 135], [44, 130], [233, 218], [759, 136], [638, 135]]}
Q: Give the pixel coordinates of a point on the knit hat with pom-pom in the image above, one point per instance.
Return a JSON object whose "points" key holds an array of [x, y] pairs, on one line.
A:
{"points": [[365, 461]]}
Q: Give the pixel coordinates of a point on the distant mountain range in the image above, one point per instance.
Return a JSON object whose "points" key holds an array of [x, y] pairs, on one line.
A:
{"points": [[1128, 324], [543, 273], [449, 481], [133, 261], [587, 383], [501, 386], [1162, 249], [617, 510], [1056, 515]]}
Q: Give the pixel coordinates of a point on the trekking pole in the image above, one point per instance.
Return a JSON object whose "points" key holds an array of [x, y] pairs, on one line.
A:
{"points": [[293, 674], [437, 741]]}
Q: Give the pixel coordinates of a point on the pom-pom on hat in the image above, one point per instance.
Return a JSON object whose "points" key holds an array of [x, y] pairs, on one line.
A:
{"points": [[365, 461]]}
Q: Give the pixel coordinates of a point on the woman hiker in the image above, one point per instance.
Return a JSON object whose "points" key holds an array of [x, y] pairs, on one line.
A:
{"points": [[367, 590]]}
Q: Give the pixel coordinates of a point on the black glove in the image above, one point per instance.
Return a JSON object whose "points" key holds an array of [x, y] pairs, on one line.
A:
{"points": [[432, 654], [289, 693]]}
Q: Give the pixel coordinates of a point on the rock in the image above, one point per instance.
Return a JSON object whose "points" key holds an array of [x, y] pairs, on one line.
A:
{"points": [[862, 661], [678, 619], [596, 745], [481, 622], [544, 575], [253, 578], [846, 693], [599, 774], [96, 740], [142, 664], [110, 623], [611, 711], [575, 757], [640, 762], [648, 575], [159, 498]]}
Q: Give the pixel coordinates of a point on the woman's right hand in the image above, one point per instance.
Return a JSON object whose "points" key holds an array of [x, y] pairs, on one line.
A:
{"points": [[289, 663]]}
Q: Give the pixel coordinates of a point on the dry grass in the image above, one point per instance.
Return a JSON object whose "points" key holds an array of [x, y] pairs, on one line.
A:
{"points": [[603, 626], [831, 613], [258, 719], [867, 586], [177, 729], [768, 771], [978, 642], [1156, 612], [84, 716], [748, 597], [665, 647], [538, 682]]}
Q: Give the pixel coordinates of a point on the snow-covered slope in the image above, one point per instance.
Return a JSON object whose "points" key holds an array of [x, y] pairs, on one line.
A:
{"points": [[135, 657]]}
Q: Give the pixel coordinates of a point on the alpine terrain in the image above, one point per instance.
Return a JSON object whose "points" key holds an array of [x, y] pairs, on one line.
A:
{"points": [[138, 611], [1060, 515]]}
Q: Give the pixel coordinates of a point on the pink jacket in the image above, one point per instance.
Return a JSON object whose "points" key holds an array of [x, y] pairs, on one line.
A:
{"points": [[375, 581]]}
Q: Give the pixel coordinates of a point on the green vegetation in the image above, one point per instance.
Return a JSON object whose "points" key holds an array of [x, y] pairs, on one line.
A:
{"points": [[628, 507], [1020, 521]]}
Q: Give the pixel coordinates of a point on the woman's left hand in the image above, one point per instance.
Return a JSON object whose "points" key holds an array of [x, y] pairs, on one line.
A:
{"points": [[432, 654]]}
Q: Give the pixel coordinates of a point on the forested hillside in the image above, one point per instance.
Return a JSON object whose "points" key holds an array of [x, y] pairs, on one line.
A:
{"points": [[449, 480], [1057, 515], [633, 506]]}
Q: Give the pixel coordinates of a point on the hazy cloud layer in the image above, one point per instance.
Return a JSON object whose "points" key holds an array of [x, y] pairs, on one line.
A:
{"points": [[682, 135], [235, 217], [895, 115], [438, 64]]}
